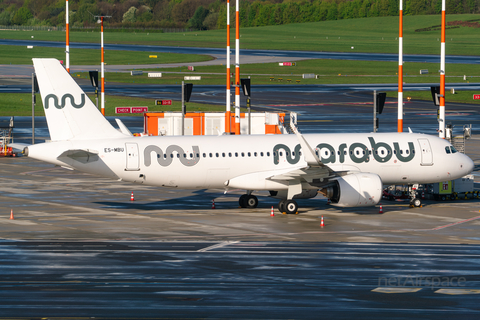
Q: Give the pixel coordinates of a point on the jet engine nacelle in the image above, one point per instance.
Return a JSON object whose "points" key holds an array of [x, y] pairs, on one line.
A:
{"points": [[355, 190], [306, 194]]}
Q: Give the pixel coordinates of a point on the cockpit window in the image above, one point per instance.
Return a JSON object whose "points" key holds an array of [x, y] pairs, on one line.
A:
{"points": [[450, 149]]}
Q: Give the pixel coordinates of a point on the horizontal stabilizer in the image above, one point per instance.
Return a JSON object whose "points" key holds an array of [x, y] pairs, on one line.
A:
{"points": [[80, 155], [18, 146]]}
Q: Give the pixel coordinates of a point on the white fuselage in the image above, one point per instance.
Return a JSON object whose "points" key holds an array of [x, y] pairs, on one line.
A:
{"points": [[200, 162]]}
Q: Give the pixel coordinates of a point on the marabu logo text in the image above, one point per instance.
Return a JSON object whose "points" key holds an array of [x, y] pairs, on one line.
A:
{"points": [[357, 152], [165, 159], [64, 98]]}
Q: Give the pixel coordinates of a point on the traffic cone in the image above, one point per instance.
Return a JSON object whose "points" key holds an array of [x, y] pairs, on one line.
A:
{"points": [[272, 214], [423, 195], [131, 197], [322, 224], [328, 201], [381, 209], [213, 204], [11, 215]]}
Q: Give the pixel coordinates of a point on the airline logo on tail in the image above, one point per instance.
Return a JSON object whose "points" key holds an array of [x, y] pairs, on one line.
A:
{"points": [[64, 100]]}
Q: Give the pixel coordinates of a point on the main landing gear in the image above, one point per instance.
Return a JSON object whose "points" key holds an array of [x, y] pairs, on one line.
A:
{"points": [[288, 206], [248, 201], [414, 201]]}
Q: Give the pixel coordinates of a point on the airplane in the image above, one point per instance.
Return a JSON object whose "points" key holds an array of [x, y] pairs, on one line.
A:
{"points": [[348, 168]]}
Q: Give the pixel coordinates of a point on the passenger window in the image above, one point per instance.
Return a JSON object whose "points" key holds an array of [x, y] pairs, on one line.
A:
{"points": [[281, 154], [165, 156], [216, 154], [198, 155], [171, 155], [268, 154], [401, 151], [249, 154], [407, 151], [274, 154], [383, 151], [261, 154], [204, 155], [255, 154], [211, 155], [223, 154], [243, 154], [184, 155], [236, 154], [178, 155]]}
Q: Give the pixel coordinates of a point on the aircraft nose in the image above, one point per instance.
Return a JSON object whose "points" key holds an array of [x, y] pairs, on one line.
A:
{"points": [[467, 164]]}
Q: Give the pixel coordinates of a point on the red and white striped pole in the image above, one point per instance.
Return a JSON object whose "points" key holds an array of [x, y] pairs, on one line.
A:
{"points": [[67, 47], [237, 69], [102, 94], [441, 118], [227, 114], [400, 70]]}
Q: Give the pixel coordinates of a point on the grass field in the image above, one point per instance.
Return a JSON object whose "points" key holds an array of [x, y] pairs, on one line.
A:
{"points": [[22, 55], [328, 71], [365, 35], [378, 34], [20, 104]]}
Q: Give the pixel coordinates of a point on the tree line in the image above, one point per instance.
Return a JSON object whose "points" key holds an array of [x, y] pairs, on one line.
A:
{"points": [[211, 14]]}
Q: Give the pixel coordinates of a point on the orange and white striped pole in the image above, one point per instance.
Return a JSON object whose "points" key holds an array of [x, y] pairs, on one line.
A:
{"points": [[227, 114], [441, 118], [102, 94], [67, 47], [400, 70], [237, 69]]}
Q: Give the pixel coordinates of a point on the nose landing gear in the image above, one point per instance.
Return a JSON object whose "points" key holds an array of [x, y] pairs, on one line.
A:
{"points": [[414, 201]]}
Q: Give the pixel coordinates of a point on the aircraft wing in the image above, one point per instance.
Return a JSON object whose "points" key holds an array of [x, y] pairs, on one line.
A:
{"points": [[307, 173]]}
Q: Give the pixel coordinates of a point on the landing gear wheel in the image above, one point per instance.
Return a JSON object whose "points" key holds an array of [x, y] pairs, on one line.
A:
{"points": [[251, 201], [291, 207], [416, 202], [281, 206], [243, 201]]}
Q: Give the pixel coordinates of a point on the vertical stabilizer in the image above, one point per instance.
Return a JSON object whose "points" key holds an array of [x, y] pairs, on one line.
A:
{"points": [[70, 113]]}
